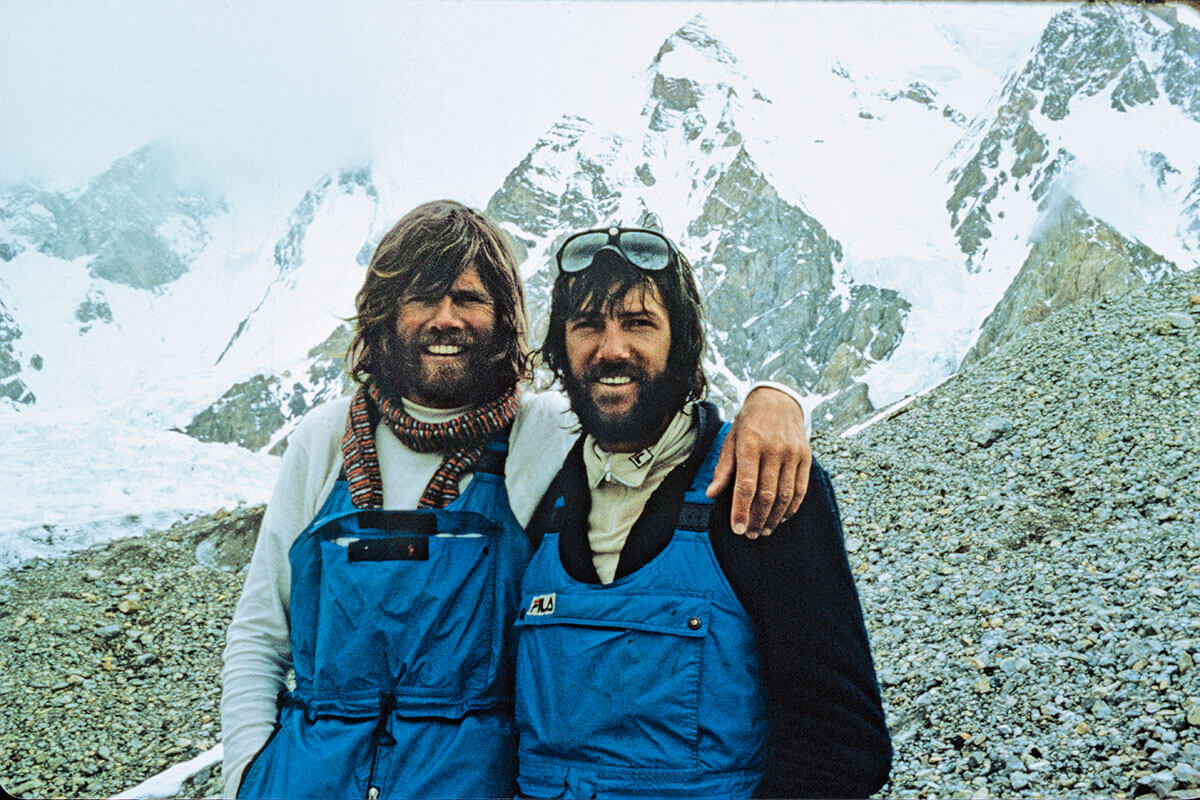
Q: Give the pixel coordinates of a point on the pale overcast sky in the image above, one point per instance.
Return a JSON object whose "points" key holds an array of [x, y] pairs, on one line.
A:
{"points": [[457, 92], [290, 84]]}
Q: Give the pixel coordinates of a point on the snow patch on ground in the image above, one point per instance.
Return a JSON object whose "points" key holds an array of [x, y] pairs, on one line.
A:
{"points": [[73, 481]]}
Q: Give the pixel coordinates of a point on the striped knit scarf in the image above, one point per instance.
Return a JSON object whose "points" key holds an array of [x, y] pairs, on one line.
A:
{"points": [[461, 439]]}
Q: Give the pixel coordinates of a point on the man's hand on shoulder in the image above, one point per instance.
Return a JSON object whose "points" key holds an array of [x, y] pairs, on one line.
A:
{"points": [[767, 456]]}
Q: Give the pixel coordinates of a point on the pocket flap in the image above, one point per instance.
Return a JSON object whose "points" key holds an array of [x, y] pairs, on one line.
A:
{"points": [[677, 614]]}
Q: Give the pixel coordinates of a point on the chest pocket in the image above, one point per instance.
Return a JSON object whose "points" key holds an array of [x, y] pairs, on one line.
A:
{"points": [[633, 699], [408, 601]]}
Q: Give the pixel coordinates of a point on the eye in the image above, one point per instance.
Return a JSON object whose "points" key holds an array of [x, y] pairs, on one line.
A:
{"points": [[583, 324], [471, 299]]}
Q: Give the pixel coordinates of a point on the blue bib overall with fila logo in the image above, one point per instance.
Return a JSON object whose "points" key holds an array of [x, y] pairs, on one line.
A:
{"points": [[402, 644], [645, 687]]}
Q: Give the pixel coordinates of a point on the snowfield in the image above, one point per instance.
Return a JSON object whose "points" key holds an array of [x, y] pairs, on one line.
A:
{"points": [[856, 112]]}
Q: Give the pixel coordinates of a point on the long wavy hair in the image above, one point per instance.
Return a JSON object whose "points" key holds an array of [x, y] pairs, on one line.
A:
{"points": [[603, 286], [423, 254]]}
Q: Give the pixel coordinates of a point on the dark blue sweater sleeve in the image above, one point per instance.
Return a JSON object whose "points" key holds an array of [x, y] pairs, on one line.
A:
{"points": [[828, 734]]}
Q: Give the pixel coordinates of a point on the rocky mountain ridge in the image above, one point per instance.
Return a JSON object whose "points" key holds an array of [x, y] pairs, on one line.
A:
{"points": [[789, 292], [1078, 259], [1130, 56], [140, 223]]}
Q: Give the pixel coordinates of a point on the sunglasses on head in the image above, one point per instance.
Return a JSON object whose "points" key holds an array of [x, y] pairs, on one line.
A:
{"points": [[645, 249]]}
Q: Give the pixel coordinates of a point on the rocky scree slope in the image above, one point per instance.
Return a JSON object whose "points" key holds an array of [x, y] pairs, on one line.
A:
{"points": [[1026, 540]]}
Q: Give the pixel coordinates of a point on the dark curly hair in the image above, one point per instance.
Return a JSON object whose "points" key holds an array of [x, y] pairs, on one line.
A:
{"points": [[423, 254]]}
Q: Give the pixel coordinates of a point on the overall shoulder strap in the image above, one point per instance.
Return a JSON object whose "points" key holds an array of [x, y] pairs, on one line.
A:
{"points": [[697, 506], [549, 516], [693, 514], [495, 452]]}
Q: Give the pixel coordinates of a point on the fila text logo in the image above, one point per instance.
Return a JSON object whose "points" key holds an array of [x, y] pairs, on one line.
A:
{"points": [[541, 605]]}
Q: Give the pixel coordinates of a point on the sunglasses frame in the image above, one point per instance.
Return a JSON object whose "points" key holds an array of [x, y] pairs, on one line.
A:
{"points": [[614, 233]]}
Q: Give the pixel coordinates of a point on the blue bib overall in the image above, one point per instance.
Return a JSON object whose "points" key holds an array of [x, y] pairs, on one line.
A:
{"points": [[645, 687], [402, 644]]}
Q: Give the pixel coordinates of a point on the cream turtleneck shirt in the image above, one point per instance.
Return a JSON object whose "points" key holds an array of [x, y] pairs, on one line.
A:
{"points": [[621, 483]]}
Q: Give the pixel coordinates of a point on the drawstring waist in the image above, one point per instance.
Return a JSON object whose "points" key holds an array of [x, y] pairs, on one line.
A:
{"points": [[382, 704], [381, 735]]}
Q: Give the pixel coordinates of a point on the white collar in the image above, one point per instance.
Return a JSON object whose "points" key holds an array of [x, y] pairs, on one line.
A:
{"points": [[632, 469]]}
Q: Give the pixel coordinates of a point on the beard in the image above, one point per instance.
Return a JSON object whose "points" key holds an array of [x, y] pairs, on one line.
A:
{"points": [[471, 379], [659, 398]]}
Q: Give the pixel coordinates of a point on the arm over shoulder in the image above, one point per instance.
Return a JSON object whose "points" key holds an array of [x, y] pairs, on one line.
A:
{"points": [[828, 732]]}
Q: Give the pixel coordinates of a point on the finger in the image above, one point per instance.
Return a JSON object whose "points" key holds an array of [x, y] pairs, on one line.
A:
{"points": [[785, 490], [743, 493], [765, 492], [802, 475], [723, 472]]}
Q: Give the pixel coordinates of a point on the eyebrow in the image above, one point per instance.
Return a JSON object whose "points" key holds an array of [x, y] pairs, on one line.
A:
{"points": [[470, 294], [455, 294], [583, 315]]}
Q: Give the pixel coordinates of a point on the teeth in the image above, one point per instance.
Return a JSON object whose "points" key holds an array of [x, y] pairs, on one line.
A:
{"points": [[616, 381], [443, 349]]}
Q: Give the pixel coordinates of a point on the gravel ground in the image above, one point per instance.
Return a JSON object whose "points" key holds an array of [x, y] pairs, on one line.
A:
{"points": [[110, 669], [1026, 540]]}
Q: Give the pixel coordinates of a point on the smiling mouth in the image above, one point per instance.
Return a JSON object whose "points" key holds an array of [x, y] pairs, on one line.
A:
{"points": [[443, 350], [615, 380]]}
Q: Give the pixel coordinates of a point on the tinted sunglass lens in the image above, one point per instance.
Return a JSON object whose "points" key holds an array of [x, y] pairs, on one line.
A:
{"points": [[645, 250], [577, 253]]}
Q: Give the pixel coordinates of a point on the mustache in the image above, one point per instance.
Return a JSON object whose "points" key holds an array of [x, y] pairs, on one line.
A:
{"points": [[615, 369], [453, 338]]}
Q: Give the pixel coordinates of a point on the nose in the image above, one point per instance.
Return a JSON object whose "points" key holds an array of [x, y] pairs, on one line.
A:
{"points": [[445, 315], [613, 344]]}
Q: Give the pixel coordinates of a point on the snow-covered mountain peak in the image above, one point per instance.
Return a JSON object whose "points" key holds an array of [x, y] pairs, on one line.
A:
{"points": [[854, 236], [1131, 54], [141, 223], [564, 133], [696, 85], [159, 171], [1123, 70], [344, 182], [694, 38], [316, 263]]}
